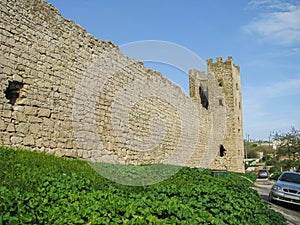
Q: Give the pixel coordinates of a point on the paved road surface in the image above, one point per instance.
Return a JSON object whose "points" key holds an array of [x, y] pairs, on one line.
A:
{"points": [[290, 212]]}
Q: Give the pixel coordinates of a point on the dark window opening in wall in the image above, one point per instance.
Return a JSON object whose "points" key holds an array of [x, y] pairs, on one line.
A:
{"points": [[237, 86], [239, 105], [13, 91], [222, 151], [220, 102], [220, 83], [203, 97], [239, 130]]}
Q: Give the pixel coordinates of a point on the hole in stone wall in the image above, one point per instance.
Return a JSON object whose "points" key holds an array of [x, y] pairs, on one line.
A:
{"points": [[220, 102], [220, 83], [13, 91], [203, 97], [222, 151]]}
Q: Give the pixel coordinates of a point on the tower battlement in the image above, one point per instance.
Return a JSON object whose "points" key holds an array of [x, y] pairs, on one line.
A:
{"points": [[220, 62]]}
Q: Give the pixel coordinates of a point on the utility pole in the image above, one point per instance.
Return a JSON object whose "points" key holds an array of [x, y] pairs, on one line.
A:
{"points": [[247, 145]]}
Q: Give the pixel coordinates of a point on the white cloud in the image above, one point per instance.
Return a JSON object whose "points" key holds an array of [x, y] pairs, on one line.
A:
{"points": [[284, 88], [271, 107], [277, 21], [293, 51], [255, 98], [281, 5]]}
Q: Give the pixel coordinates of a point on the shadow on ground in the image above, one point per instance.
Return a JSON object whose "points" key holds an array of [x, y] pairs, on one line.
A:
{"points": [[295, 208]]}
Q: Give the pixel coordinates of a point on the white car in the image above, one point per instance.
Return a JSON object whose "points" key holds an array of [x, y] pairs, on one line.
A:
{"points": [[286, 189]]}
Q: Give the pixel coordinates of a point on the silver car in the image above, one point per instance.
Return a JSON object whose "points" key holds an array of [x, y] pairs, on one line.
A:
{"points": [[286, 188]]}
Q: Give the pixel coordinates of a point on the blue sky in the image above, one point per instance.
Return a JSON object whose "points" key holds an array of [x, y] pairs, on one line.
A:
{"points": [[263, 36]]}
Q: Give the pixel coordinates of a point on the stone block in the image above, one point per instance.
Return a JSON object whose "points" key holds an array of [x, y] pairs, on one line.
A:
{"points": [[38, 142], [3, 126], [60, 152], [34, 119], [48, 122], [70, 145], [44, 113], [29, 81], [62, 89], [22, 128], [10, 128], [71, 153], [17, 78], [19, 108], [34, 128], [6, 114], [29, 110], [28, 140], [6, 138], [53, 144], [19, 116], [7, 70], [16, 140]]}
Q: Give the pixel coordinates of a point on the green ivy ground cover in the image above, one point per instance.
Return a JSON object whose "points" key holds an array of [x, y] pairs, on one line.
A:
{"points": [[37, 188]]}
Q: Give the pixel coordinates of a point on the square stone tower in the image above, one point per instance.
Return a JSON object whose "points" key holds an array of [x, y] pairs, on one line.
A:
{"points": [[227, 75], [219, 99]]}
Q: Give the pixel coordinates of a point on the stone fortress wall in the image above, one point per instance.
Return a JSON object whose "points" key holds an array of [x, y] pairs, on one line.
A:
{"points": [[65, 92]]}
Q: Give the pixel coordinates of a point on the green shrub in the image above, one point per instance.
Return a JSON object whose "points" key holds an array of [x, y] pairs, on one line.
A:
{"points": [[36, 188]]}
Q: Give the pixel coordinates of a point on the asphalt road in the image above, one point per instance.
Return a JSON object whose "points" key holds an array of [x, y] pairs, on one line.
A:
{"points": [[290, 212]]}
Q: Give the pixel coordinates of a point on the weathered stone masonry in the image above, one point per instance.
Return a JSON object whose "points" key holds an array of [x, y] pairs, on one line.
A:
{"points": [[63, 91]]}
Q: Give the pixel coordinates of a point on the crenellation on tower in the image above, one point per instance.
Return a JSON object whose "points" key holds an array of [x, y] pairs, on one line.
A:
{"points": [[209, 61], [219, 59]]}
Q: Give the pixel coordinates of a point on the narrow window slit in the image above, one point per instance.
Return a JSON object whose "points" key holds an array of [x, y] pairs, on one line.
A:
{"points": [[203, 97], [222, 151]]}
